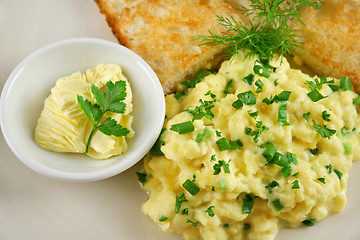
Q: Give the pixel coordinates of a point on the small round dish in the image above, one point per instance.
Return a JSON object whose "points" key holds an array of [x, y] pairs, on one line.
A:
{"points": [[30, 82]]}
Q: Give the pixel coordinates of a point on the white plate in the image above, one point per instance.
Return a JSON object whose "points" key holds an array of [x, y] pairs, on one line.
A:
{"points": [[34, 207]]}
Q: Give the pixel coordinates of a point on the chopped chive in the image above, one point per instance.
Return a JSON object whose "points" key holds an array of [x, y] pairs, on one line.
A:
{"points": [[269, 151], [259, 85], [223, 184], [277, 205], [191, 187], [204, 135], [345, 84], [226, 225], [183, 128], [261, 70], [329, 168], [284, 95], [141, 177], [156, 149], [228, 87], [248, 203], [309, 222], [347, 148], [223, 144], [282, 115], [162, 218], [334, 88], [356, 100], [314, 151]]}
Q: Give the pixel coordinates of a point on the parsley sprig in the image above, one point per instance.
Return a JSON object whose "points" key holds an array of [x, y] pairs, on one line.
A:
{"points": [[268, 30], [110, 100]]}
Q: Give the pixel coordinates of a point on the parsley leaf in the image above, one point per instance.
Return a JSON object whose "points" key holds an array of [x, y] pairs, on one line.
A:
{"points": [[179, 200], [109, 101], [324, 132]]}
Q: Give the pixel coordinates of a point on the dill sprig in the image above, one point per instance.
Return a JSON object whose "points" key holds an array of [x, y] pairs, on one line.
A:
{"points": [[268, 31]]}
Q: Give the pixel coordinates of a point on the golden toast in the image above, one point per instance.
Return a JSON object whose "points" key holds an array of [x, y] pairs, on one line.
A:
{"points": [[162, 32]]}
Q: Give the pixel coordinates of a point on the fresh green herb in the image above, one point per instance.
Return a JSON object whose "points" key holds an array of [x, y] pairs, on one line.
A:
{"points": [[314, 151], [324, 132], [309, 222], [326, 116], [203, 135], [141, 177], [247, 226], [338, 173], [295, 184], [226, 225], [356, 100], [213, 158], [322, 180], [347, 148], [191, 187], [329, 168], [223, 184], [156, 148], [269, 152], [183, 128], [259, 85], [204, 109], [306, 116], [224, 144], [271, 185], [110, 100], [228, 87], [256, 133], [192, 82], [334, 88], [277, 205], [193, 223], [179, 200], [209, 211], [185, 211], [271, 100], [218, 133], [261, 70], [282, 114], [221, 164], [268, 32], [247, 98], [248, 203], [345, 84], [249, 79], [315, 95], [318, 84], [162, 218]]}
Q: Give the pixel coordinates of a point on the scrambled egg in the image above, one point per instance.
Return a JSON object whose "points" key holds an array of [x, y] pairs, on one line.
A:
{"points": [[252, 148], [64, 127]]}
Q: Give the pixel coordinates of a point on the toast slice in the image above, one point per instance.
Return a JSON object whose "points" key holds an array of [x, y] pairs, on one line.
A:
{"points": [[162, 32], [331, 39]]}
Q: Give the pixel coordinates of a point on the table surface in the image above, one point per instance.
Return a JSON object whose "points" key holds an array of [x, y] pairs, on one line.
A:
{"points": [[36, 207]]}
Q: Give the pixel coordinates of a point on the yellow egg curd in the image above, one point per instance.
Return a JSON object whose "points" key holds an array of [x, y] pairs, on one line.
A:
{"points": [[64, 127], [252, 148]]}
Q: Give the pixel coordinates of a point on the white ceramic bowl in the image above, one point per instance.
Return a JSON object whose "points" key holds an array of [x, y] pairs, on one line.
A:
{"points": [[29, 84]]}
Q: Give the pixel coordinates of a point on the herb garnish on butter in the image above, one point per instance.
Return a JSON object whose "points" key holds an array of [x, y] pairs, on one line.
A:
{"points": [[109, 101]]}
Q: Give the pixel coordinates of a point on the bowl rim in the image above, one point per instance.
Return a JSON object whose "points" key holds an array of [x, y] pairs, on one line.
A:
{"points": [[77, 176]]}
